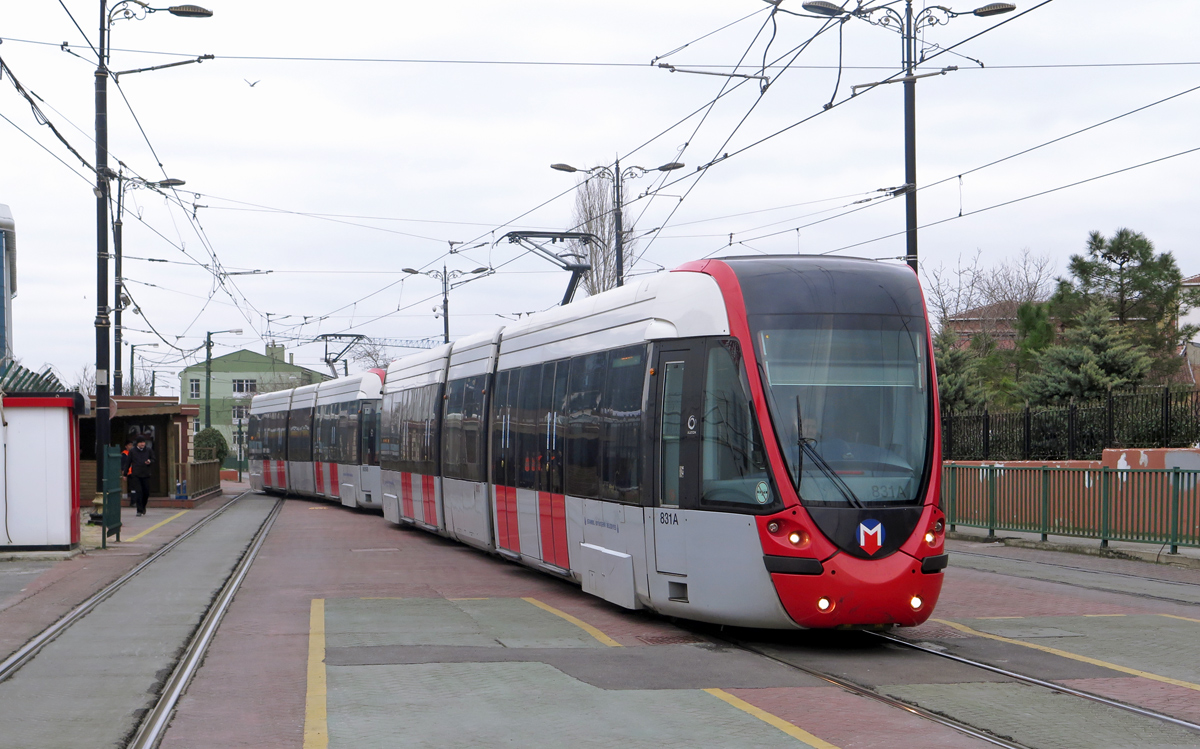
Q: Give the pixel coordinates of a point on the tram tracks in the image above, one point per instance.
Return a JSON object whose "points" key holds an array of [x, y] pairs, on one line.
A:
{"points": [[994, 735], [152, 726], [1181, 585]]}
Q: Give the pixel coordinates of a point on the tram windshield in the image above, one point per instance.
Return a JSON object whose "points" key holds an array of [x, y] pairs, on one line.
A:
{"points": [[850, 396]]}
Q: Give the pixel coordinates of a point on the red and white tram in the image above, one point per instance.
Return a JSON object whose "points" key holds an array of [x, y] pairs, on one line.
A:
{"points": [[320, 440], [746, 441]]}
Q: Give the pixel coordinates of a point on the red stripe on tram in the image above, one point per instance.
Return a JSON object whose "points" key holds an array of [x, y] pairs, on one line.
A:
{"points": [[335, 486], [429, 497]]}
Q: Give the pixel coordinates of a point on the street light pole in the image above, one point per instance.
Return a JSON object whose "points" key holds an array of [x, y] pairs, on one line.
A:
{"points": [[208, 372], [103, 175], [445, 305], [445, 277], [908, 25], [618, 177]]}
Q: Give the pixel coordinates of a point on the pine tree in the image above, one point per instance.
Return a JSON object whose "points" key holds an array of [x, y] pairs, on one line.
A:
{"points": [[1093, 357], [959, 386], [1143, 289], [1035, 332]]}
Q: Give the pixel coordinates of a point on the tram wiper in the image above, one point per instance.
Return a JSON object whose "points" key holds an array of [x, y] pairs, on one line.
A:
{"points": [[806, 447]]}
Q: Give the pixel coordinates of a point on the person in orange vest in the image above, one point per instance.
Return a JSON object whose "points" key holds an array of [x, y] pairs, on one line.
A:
{"points": [[126, 466]]}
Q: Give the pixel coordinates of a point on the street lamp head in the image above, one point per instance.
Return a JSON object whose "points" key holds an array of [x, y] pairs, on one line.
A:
{"points": [[564, 167], [823, 8], [170, 182], [994, 9], [672, 166], [480, 270], [189, 11], [235, 331], [411, 271]]}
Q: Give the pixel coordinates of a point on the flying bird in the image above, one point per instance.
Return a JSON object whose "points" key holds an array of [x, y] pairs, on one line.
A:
{"points": [[252, 85]]}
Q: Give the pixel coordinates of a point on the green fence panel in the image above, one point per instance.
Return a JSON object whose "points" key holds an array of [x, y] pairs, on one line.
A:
{"points": [[1160, 506], [111, 518]]}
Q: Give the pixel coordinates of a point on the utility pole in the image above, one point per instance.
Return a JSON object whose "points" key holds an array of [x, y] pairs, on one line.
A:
{"points": [[445, 305], [207, 380], [103, 434], [620, 231], [910, 137]]}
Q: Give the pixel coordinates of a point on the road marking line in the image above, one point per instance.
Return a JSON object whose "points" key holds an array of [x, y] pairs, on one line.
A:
{"points": [[468, 599], [577, 622], [381, 598], [1172, 616], [1073, 656], [1094, 616], [774, 720], [316, 718], [155, 527]]}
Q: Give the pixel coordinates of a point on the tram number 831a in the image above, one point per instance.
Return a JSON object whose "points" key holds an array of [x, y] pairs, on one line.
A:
{"points": [[668, 518]]}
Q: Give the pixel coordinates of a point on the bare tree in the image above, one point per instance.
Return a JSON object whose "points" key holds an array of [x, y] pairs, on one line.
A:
{"points": [[370, 354], [85, 380], [971, 285], [593, 213]]}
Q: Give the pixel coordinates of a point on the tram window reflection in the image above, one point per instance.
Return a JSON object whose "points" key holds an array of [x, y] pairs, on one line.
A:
{"points": [[734, 466]]}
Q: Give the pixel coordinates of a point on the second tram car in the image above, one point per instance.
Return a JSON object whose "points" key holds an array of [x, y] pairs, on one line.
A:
{"points": [[320, 440], [745, 441]]}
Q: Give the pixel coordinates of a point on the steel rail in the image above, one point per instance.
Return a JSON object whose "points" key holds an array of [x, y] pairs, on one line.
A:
{"points": [[1082, 586], [26, 652], [862, 691], [1079, 569], [156, 721], [1032, 681]]}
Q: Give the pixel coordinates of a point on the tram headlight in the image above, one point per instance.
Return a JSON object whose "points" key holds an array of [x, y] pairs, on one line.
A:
{"points": [[824, 604], [773, 526], [796, 537], [916, 603], [930, 538], [939, 526]]}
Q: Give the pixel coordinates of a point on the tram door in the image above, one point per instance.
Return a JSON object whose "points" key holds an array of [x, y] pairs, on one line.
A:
{"points": [[679, 385]]}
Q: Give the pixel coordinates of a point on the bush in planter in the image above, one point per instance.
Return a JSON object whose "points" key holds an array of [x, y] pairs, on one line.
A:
{"points": [[210, 444]]}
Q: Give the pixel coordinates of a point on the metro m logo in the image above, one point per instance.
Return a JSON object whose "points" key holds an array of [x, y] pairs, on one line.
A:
{"points": [[870, 536]]}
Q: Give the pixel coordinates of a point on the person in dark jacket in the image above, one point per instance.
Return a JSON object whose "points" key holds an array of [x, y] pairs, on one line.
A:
{"points": [[125, 466], [141, 458]]}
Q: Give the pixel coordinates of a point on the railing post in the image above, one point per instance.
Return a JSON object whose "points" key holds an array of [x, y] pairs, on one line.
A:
{"points": [[991, 501], [1071, 431], [1166, 416], [987, 434], [1045, 502], [1027, 447], [1175, 510], [1108, 424], [1104, 478], [948, 441], [952, 515]]}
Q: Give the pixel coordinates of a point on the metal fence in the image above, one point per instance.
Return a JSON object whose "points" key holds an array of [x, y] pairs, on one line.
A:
{"points": [[1080, 431], [197, 478], [1143, 505]]}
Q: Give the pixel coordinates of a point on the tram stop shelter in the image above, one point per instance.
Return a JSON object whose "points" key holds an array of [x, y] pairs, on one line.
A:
{"points": [[167, 427]]}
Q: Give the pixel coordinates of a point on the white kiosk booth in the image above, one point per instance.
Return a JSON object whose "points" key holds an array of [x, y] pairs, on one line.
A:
{"points": [[39, 456]]}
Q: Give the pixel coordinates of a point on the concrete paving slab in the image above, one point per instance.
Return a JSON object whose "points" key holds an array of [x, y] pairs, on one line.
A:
{"points": [[526, 705], [662, 667], [16, 575], [1164, 646], [1043, 718], [1077, 575]]}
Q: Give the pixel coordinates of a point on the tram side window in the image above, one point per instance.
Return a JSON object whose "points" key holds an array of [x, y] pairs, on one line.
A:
{"points": [[275, 435], [254, 445], [462, 430], [299, 432], [551, 425], [346, 438], [503, 395], [621, 414], [369, 431], [734, 466], [418, 429], [584, 390], [453, 459], [390, 431], [528, 458]]}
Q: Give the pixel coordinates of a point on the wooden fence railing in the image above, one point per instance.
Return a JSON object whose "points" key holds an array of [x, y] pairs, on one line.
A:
{"points": [[196, 479]]}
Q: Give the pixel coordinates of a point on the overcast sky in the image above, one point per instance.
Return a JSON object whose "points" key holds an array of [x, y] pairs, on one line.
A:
{"points": [[434, 133]]}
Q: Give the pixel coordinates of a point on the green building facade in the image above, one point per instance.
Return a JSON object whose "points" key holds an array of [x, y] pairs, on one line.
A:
{"points": [[236, 378]]}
